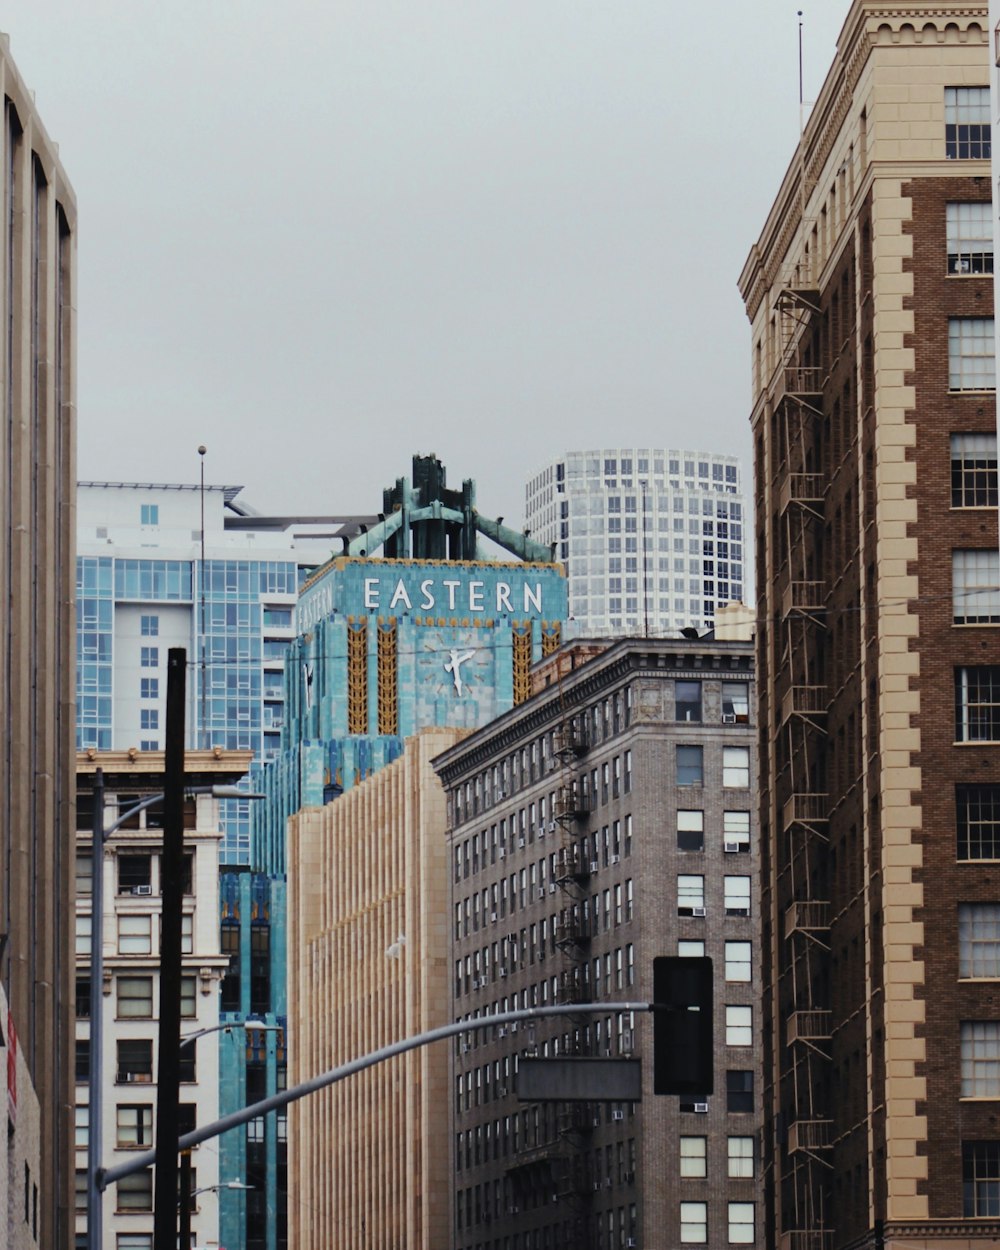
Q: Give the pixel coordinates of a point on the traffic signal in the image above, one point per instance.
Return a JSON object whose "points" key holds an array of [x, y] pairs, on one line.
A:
{"points": [[682, 1025]]}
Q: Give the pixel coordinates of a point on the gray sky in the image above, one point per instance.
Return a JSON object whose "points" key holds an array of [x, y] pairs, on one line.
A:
{"points": [[319, 237]]}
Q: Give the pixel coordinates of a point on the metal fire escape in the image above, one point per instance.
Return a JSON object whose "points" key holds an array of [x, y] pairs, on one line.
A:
{"points": [[801, 739]]}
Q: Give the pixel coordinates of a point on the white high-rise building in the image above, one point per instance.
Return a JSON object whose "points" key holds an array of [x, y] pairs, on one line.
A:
{"points": [[652, 540]]}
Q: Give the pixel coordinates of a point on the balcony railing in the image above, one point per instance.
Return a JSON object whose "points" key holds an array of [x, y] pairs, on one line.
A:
{"points": [[810, 1135], [807, 916], [813, 1025]]}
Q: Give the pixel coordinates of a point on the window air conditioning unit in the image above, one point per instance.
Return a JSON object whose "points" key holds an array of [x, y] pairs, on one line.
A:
{"points": [[630, 1243], [594, 865], [698, 911], [701, 1108], [731, 847], [501, 1091], [503, 972], [465, 1048], [552, 826], [626, 1045], [142, 889], [493, 917], [501, 1032], [501, 853], [597, 1121], [618, 1115], [729, 718], [475, 983], [616, 859], [597, 1185], [513, 1027]]}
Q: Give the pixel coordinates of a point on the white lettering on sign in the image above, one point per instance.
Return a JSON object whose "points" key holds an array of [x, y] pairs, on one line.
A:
{"points": [[431, 594]]}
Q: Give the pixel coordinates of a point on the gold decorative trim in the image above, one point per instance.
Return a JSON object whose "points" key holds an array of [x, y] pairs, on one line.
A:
{"points": [[357, 678], [551, 637], [388, 683], [521, 645]]}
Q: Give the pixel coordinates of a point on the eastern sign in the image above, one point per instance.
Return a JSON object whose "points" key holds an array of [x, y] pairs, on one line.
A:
{"points": [[390, 588]]}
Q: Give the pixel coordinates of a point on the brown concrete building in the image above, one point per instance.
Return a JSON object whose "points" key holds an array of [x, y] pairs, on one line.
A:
{"points": [[870, 296], [368, 959], [605, 821], [37, 475]]}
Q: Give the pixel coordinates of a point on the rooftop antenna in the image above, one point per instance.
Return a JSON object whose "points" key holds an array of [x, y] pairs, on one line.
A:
{"points": [[802, 97]]}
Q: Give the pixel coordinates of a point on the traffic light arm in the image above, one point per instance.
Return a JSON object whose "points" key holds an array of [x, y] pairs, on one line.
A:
{"points": [[107, 1176]]}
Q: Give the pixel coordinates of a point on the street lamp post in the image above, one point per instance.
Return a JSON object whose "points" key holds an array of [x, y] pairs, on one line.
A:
{"points": [[95, 1071], [188, 1195]]}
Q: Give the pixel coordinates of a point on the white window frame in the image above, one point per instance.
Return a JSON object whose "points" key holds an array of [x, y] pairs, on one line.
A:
{"points": [[734, 964], [975, 586], [980, 1050], [736, 768], [971, 354], [739, 1024]]}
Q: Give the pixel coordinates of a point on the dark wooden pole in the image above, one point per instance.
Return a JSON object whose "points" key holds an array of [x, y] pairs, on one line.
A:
{"points": [[166, 1177]]}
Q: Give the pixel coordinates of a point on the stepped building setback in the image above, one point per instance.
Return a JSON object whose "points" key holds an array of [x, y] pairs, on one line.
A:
{"points": [[870, 295]]}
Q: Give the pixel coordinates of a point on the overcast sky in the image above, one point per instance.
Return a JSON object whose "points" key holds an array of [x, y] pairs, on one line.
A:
{"points": [[319, 237]]}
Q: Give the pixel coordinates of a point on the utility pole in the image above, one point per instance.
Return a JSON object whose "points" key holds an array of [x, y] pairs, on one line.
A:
{"points": [[166, 1175], [95, 1197]]}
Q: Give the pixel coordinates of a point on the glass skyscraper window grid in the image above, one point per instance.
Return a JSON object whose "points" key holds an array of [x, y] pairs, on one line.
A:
{"points": [[586, 510], [970, 237]]}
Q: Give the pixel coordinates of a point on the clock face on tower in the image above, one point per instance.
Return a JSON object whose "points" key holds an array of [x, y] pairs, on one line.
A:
{"points": [[454, 662]]}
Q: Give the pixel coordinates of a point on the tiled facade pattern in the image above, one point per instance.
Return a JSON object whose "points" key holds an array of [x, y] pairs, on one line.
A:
{"points": [[37, 474], [368, 965], [653, 540], [870, 295], [607, 821]]}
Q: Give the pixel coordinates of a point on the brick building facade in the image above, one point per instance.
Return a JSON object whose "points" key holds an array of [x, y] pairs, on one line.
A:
{"points": [[606, 821], [870, 296]]}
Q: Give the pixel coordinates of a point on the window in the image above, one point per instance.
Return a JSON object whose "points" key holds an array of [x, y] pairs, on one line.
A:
{"points": [[135, 935], [738, 956], [979, 940], [736, 831], [134, 1126], [149, 514], [82, 998], [690, 895], [740, 1154], [134, 871], [971, 363], [149, 626], [980, 1058], [135, 997], [188, 1005], [736, 767], [135, 1060], [83, 932], [81, 1126], [135, 1192], [690, 831], [149, 688], [735, 702], [694, 1156], [80, 1191], [981, 1178], [688, 699], [970, 238], [149, 657], [149, 718], [974, 587], [691, 950], [134, 1241], [84, 864], [82, 1059], [977, 811], [690, 767], [977, 704], [739, 1026], [739, 1090], [967, 123], [737, 896], [740, 1223], [973, 470], [694, 1223]]}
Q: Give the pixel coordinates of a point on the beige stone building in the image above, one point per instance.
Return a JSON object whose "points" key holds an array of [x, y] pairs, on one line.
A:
{"points": [[870, 296], [37, 475], [368, 960]]}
